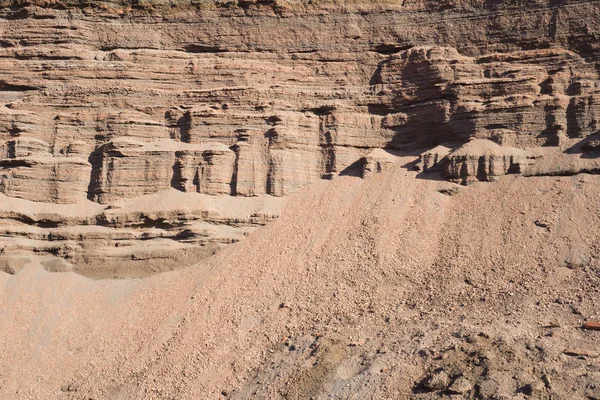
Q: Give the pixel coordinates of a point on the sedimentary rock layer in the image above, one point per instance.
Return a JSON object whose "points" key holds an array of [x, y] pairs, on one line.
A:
{"points": [[101, 102]]}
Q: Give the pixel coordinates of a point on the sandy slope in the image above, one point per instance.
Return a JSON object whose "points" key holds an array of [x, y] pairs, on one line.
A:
{"points": [[362, 289]]}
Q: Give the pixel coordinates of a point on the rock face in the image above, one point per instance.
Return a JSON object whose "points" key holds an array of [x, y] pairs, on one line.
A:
{"points": [[30, 171], [130, 168], [117, 100], [525, 99], [376, 162], [476, 160]]}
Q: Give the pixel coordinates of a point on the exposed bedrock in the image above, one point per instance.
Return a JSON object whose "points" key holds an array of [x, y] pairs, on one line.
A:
{"points": [[29, 171], [127, 168], [484, 160], [110, 102], [524, 99]]}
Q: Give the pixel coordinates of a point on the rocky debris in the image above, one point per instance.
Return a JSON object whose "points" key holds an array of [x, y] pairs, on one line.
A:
{"points": [[70, 387], [338, 267], [577, 258], [488, 389], [592, 391], [154, 132], [450, 190], [536, 388]]}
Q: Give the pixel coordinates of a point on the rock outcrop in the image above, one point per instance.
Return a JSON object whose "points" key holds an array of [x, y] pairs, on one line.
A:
{"points": [[130, 168], [484, 160], [128, 238], [377, 161], [477, 160], [101, 102]]}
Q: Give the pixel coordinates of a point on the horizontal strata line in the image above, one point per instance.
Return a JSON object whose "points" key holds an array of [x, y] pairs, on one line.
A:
{"points": [[591, 171]]}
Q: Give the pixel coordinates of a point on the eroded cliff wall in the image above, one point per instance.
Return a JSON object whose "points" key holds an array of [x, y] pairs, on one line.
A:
{"points": [[109, 106]]}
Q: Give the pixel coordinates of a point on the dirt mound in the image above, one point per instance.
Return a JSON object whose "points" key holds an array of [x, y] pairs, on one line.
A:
{"points": [[388, 287]]}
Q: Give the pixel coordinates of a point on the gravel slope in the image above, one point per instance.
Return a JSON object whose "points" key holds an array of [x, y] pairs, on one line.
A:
{"points": [[376, 288]]}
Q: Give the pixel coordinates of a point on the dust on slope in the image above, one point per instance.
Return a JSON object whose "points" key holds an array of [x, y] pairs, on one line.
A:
{"points": [[360, 290]]}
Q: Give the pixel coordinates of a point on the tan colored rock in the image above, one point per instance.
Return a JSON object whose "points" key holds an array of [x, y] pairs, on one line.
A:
{"points": [[484, 160], [209, 170], [432, 159], [26, 147], [130, 168], [377, 161], [29, 171]]}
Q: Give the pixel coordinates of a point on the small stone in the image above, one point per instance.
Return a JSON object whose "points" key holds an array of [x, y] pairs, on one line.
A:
{"points": [[488, 389], [533, 388], [592, 391], [542, 224], [449, 191], [592, 326], [438, 381], [71, 387], [579, 352], [461, 386]]}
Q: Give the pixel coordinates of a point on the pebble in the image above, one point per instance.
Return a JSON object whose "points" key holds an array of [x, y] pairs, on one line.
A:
{"points": [[461, 386], [438, 381], [533, 388], [488, 389]]}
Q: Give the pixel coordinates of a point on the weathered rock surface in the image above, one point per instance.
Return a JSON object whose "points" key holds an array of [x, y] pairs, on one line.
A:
{"points": [[484, 160], [432, 159], [129, 238], [377, 161], [107, 101]]}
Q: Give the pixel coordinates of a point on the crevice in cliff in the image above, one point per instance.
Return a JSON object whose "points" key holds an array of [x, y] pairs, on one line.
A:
{"points": [[379, 109], [44, 57], [391, 49], [40, 223], [320, 111], [95, 159], [14, 163], [234, 176], [11, 87], [185, 127], [554, 129], [19, 13], [201, 49]]}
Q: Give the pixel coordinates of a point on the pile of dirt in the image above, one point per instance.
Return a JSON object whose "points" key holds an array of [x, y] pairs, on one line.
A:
{"points": [[387, 287]]}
